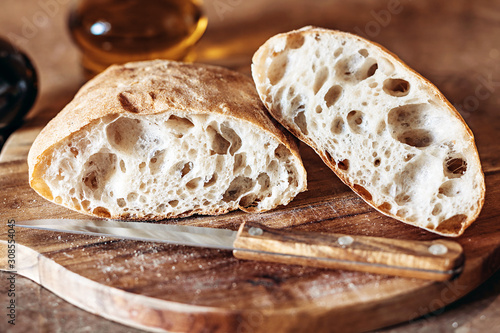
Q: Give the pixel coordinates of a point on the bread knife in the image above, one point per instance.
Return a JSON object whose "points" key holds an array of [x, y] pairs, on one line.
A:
{"points": [[437, 260]]}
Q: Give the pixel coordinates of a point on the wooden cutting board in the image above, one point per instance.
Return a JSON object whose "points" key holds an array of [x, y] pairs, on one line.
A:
{"points": [[184, 289]]}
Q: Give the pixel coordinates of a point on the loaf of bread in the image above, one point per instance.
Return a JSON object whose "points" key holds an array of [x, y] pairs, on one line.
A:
{"points": [[161, 139], [386, 131]]}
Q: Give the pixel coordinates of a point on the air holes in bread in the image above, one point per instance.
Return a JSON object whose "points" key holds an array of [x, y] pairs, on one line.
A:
{"points": [[85, 204], [437, 209], [297, 104], [238, 187], [450, 188], [363, 192], [178, 126], [264, 181], [124, 133], [355, 121], [381, 127], [76, 203], [402, 199], [408, 116], [371, 70], [248, 170], [343, 165], [301, 122], [211, 181], [272, 167], [98, 169], [396, 87], [386, 66], [416, 138], [281, 152], [193, 183], [294, 41], [102, 212], [219, 144], [321, 77], [403, 212], [455, 167], [132, 196], [356, 67], [332, 95], [155, 162], [276, 99], [377, 162], [385, 207], [123, 168], [329, 158], [344, 68], [192, 153], [277, 68], [74, 151], [408, 157], [249, 200], [187, 167], [407, 124], [363, 52], [453, 224], [338, 125], [230, 135], [239, 162]]}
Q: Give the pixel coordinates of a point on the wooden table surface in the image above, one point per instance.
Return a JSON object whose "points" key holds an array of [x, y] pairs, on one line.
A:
{"points": [[462, 38]]}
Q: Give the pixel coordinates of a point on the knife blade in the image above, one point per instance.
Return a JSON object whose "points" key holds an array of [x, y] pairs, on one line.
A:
{"points": [[433, 260]]}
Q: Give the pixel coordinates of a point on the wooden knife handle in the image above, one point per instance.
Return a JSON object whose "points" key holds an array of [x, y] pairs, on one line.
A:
{"points": [[433, 260]]}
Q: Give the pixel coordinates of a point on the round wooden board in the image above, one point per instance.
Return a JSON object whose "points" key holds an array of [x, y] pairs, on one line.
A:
{"points": [[184, 289]]}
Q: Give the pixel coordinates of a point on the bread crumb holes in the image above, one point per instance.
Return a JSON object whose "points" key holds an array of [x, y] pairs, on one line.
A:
{"points": [[333, 95], [396, 87], [455, 167]]}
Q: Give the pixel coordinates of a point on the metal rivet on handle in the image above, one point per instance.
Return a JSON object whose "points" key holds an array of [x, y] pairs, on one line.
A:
{"points": [[255, 231], [438, 249], [345, 240]]}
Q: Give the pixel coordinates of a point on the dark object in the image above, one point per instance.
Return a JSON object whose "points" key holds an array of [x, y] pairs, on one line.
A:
{"points": [[18, 88]]}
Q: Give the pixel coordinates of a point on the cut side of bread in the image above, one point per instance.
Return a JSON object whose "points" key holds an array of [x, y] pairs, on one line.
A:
{"points": [[386, 131], [161, 139]]}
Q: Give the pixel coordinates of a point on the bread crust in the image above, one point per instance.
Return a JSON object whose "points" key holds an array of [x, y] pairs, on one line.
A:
{"points": [[453, 228], [154, 87]]}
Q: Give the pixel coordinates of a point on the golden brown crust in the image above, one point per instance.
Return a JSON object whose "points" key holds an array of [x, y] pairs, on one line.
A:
{"points": [[453, 228], [153, 87]]}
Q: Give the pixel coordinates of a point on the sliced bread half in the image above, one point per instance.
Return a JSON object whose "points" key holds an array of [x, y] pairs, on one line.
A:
{"points": [[386, 131], [161, 139]]}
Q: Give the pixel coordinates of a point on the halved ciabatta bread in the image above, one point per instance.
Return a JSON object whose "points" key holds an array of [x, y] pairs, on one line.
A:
{"points": [[161, 139], [386, 131]]}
